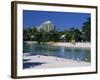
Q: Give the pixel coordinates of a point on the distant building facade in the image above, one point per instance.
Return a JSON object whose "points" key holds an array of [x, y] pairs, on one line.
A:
{"points": [[46, 26]]}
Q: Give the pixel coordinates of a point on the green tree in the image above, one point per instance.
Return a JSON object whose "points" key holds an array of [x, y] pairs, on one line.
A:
{"points": [[68, 36], [72, 32], [26, 35], [54, 36], [38, 37], [86, 30], [77, 35]]}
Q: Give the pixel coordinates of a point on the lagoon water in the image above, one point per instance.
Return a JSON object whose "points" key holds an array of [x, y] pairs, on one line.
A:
{"points": [[63, 52]]}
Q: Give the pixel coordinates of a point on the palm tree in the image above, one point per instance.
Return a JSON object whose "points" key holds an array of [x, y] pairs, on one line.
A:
{"points": [[86, 29], [77, 35]]}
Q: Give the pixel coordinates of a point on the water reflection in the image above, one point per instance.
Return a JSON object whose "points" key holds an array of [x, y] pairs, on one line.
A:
{"points": [[68, 53]]}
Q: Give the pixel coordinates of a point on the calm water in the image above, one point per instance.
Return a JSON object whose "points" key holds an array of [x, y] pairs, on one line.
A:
{"points": [[63, 52]]}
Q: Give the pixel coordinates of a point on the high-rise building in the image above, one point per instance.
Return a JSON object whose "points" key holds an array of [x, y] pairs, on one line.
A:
{"points": [[46, 26]]}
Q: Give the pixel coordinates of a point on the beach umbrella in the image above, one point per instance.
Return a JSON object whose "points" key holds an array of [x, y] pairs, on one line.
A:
{"points": [[32, 36], [63, 37]]}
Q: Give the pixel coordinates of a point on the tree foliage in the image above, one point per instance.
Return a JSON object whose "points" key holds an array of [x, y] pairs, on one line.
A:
{"points": [[32, 34], [86, 30]]}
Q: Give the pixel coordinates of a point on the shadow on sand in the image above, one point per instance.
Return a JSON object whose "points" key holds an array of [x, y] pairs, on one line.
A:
{"points": [[25, 60], [31, 64]]}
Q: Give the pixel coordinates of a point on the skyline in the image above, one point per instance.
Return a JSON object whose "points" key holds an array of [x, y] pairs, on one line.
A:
{"points": [[62, 20]]}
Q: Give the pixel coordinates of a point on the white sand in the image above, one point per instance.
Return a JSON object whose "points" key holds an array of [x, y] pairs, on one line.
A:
{"points": [[52, 62], [77, 45], [86, 45]]}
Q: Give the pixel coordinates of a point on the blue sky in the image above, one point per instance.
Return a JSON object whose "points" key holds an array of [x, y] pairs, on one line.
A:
{"points": [[62, 20]]}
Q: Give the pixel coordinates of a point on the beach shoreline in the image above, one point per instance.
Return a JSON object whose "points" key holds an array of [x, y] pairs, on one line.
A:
{"points": [[70, 45], [85, 45], [41, 61]]}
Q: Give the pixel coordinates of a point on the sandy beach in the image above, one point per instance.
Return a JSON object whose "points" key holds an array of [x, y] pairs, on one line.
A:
{"points": [[77, 45], [43, 61], [40, 61], [85, 45]]}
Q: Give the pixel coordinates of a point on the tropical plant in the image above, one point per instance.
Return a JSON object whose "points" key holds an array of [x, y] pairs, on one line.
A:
{"points": [[86, 30]]}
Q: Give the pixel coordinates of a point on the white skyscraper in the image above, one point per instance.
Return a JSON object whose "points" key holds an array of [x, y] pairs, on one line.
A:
{"points": [[46, 26]]}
